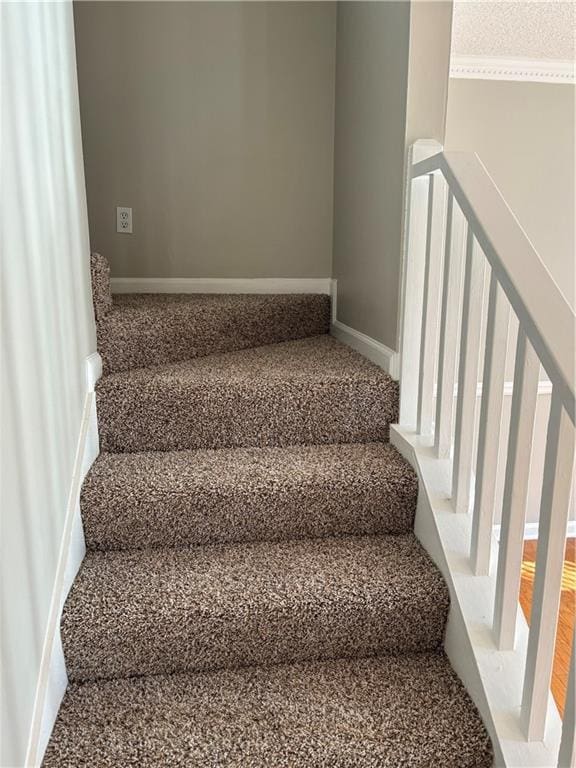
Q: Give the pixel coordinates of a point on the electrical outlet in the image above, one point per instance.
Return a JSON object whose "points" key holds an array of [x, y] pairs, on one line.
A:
{"points": [[124, 220]]}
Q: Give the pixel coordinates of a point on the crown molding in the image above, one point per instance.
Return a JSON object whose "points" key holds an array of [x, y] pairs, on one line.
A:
{"points": [[525, 70]]}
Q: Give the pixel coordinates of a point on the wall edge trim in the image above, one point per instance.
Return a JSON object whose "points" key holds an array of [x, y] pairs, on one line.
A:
{"points": [[52, 678], [378, 353]]}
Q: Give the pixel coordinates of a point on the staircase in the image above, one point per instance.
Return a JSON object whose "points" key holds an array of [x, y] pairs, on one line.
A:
{"points": [[253, 594]]}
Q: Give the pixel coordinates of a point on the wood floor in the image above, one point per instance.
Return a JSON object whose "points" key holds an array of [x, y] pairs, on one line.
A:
{"points": [[567, 613]]}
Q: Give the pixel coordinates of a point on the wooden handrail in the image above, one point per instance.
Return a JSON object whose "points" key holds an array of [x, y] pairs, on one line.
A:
{"points": [[542, 309]]}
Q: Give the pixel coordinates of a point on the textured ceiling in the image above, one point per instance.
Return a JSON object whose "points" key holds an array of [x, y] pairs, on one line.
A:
{"points": [[532, 30]]}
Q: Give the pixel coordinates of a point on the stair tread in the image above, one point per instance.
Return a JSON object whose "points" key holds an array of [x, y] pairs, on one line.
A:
{"points": [[168, 610], [315, 390], [148, 329], [321, 357], [179, 498], [383, 712]]}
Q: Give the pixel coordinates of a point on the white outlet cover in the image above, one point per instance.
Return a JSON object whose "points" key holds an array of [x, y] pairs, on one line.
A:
{"points": [[124, 220]]}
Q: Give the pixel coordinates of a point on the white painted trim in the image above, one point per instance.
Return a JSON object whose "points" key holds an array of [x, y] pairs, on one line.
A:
{"points": [[544, 388], [220, 285], [531, 531], [536, 300], [334, 300], [412, 257], [521, 70], [93, 370], [52, 678], [375, 351], [493, 678]]}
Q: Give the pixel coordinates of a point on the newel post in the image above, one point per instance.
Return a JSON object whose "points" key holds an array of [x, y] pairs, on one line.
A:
{"points": [[412, 286]]}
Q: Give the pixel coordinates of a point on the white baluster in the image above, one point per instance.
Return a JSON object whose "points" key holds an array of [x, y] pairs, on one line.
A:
{"points": [[567, 754], [490, 420], [554, 507], [449, 328], [413, 293], [468, 373], [435, 237], [522, 418]]}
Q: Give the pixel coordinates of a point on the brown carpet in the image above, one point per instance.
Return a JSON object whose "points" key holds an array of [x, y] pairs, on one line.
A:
{"points": [[153, 329], [311, 391], [390, 712], [253, 595], [101, 291], [139, 330], [182, 498]]}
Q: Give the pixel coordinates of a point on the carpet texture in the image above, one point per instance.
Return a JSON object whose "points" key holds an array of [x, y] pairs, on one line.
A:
{"points": [[101, 293], [390, 712], [313, 391], [183, 498], [253, 594], [172, 610], [151, 329]]}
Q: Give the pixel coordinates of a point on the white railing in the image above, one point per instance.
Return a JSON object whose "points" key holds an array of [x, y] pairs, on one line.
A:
{"points": [[474, 274]]}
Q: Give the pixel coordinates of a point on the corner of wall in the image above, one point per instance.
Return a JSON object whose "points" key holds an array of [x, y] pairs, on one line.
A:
{"points": [[52, 678]]}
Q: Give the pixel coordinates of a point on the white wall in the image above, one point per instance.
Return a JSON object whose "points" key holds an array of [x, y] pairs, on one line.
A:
{"points": [[524, 133], [215, 123], [428, 69], [47, 331]]}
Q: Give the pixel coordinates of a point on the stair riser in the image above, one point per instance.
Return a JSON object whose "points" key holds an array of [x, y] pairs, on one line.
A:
{"points": [[236, 518], [130, 503], [136, 337], [137, 417], [168, 642]]}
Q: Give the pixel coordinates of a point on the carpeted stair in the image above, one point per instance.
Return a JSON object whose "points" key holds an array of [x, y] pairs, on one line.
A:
{"points": [[312, 391], [138, 330], [183, 498], [201, 608], [253, 594], [395, 711]]}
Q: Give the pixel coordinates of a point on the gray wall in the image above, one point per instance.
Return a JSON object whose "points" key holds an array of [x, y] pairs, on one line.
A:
{"points": [[48, 329], [391, 88], [524, 134], [428, 70], [217, 123], [214, 122], [371, 83]]}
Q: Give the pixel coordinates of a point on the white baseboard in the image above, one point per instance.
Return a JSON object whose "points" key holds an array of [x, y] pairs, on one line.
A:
{"points": [[544, 388], [531, 531], [93, 370], [375, 351], [220, 285], [379, 353], [52, 678]]}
